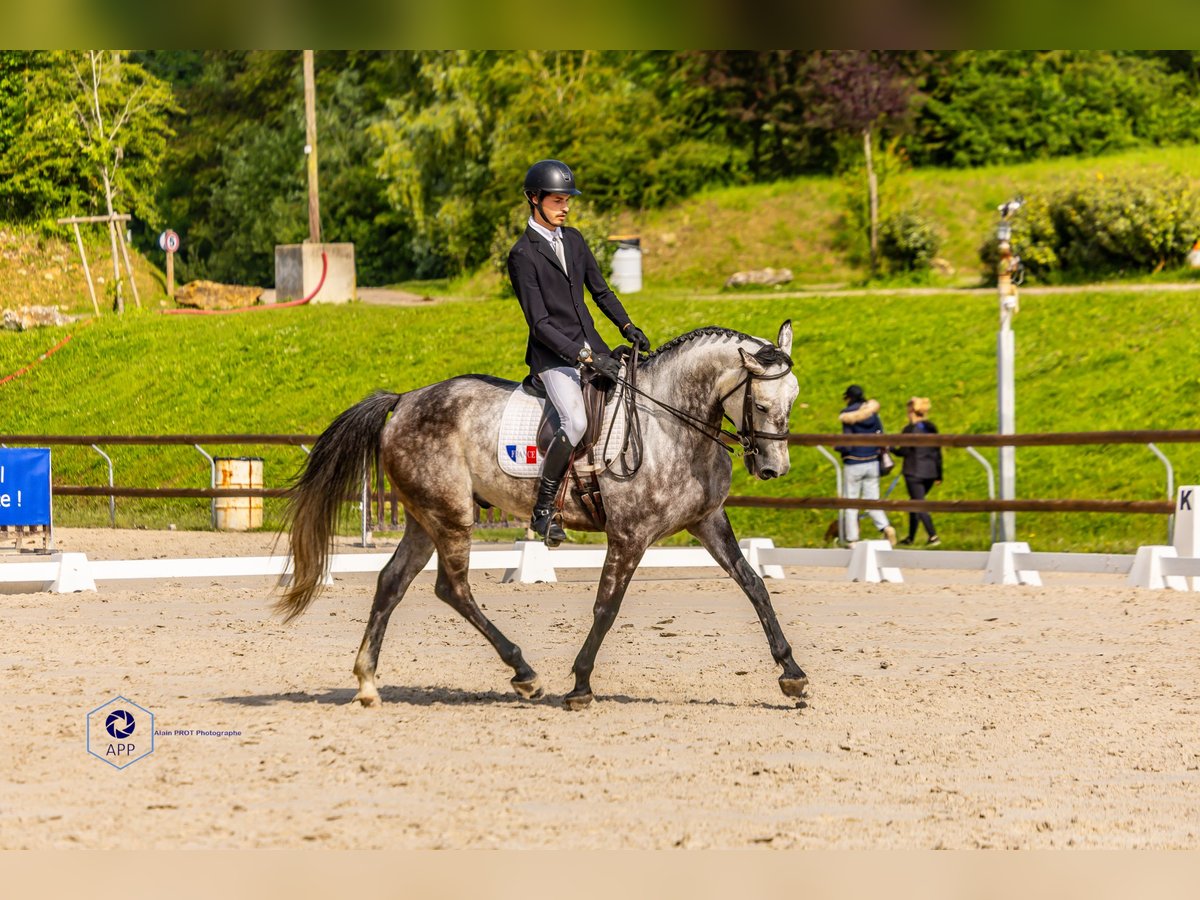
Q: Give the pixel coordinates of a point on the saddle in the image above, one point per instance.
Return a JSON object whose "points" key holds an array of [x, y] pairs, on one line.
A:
{"points": [[583, 470], [596, 391]]}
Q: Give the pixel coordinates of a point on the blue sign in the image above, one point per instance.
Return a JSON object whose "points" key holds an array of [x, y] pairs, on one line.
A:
{"points": [[24, 486]]}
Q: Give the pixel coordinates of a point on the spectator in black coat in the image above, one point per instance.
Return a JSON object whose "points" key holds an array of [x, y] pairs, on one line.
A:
{"points": [[922, 468]]}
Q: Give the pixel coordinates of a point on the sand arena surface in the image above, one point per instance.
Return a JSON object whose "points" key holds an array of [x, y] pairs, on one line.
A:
{"points": [[943, 714]]}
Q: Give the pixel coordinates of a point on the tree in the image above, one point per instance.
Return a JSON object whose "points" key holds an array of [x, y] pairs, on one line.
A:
{"points": [[454, 149], [858, 92], [81, 131], [121, 110], [758, 99], [234, 184]]}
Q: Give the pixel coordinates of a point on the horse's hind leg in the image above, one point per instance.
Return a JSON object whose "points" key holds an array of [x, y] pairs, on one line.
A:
{"points": [[454, 555], [716, 534], [410, 557]]}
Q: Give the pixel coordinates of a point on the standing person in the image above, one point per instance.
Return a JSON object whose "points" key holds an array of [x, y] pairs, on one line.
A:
{"points": [[922, 468], [549, 266], [861, 464]]}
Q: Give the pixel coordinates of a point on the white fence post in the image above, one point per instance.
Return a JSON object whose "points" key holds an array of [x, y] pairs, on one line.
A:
{"points": [[74, 574], [864, 564], [533, 566], [751, 548], [1002, 567], [1147, 570]]}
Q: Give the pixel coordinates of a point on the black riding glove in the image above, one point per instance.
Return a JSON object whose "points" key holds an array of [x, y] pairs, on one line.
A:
{"points": [[637, 338], [606, 366]]}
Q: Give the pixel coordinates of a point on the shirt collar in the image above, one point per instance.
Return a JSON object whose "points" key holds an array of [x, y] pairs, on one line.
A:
{"points": [[545, 232]]}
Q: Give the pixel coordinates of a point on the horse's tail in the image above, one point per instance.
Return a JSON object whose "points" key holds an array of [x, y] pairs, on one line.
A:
{"points": [[334, 471]]}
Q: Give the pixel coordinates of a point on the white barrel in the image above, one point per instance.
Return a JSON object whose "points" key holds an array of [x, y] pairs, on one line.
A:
{"points": [[238, 513], [627, 269]]}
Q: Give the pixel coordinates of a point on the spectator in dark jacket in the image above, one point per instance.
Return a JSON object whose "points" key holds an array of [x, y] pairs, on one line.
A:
{"points": [[922, 468], [861, 464]]}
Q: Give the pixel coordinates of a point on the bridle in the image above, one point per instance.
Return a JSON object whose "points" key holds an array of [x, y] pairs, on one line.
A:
{"points": [[745, 436]]}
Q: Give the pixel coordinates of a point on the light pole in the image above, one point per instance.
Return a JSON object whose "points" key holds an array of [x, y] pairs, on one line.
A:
{"points": [[1008, 276]]}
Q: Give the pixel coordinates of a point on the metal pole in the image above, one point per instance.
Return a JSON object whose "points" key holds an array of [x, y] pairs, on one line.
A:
{"points": [[837, 471], [212, 463], [1006, 402], [991, 483], [1005, 363], [1170, 490], [366, 508], [112, 500]]}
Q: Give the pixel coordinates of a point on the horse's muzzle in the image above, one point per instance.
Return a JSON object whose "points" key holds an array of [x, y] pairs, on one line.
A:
{"points": [[767, 474]]}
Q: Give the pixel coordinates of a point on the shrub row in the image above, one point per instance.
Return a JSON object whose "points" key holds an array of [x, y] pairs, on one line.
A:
{"points": [[1104, 227]]}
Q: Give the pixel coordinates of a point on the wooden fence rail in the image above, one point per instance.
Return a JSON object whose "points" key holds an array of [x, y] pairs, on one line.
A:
{"points": [[1081, 438], [1049, 439]]}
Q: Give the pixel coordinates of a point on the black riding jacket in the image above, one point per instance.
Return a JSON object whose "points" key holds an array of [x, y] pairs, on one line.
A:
{"points": [[552, 300]]}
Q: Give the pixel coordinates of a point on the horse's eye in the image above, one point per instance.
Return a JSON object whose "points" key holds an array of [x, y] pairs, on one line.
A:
{"points": [[760, 407]]}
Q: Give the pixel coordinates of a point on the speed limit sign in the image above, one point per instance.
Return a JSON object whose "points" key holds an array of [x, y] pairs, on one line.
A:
{"points": [[168, 241]]}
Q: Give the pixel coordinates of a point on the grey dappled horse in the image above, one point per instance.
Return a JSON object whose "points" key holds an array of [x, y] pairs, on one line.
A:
{"points": [[439, 451]]}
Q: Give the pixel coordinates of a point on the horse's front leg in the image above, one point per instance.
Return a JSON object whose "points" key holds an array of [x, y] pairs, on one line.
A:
{"points": [[716, 534], [620, 563]]}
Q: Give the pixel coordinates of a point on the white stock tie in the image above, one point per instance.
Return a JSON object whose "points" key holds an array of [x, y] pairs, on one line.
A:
{"points": [[558, 250]]}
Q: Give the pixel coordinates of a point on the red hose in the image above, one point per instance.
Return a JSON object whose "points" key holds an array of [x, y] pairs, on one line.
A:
{"points": [[260, 308], [17, 374]]}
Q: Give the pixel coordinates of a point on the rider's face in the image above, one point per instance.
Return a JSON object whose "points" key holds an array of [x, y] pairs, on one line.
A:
{"points": [[555, 207]]}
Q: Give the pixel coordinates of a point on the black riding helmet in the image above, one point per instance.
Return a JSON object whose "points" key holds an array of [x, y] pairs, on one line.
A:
{"points": [[548, 176]]}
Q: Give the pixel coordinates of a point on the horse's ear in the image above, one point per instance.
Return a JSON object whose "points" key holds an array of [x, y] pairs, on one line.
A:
{"points": [[755, 367], [784, 341]]}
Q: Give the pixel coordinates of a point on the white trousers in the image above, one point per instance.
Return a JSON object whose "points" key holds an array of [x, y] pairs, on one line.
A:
{"points": [[862, 481], [565, 392]]}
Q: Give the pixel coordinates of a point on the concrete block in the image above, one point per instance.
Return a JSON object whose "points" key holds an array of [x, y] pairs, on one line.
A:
{"points": [[298, 270]]}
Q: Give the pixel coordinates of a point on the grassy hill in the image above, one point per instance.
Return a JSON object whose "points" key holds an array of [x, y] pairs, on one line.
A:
{"points": [[1085, 361], [44, 270], [698, 243]]}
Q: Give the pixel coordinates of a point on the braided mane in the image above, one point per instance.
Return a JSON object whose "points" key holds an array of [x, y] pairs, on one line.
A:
{"points": [[767, 353]]}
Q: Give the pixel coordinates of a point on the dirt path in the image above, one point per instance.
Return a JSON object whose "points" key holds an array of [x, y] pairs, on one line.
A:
{"points": [[942, 715]]}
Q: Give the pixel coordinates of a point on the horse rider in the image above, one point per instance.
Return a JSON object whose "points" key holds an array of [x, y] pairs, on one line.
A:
{"points": [[549, 266]]}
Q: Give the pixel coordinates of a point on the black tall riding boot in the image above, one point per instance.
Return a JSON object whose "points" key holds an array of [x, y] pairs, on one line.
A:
{"points": [[554, 467]]}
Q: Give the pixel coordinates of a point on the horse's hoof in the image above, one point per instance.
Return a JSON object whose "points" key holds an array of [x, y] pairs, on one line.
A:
{"points": [[794, 687], [576, 702], [370, 701], [528, 690]]}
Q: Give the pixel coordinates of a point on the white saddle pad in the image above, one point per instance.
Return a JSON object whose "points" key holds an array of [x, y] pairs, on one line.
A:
{"points": [[516, 446]]}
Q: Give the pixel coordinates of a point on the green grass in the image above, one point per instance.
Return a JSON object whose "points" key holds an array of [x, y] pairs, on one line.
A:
{"points": [[1085, 361]]}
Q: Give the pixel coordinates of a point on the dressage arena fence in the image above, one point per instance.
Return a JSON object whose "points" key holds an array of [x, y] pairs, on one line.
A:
{"points": [[530, 561]]}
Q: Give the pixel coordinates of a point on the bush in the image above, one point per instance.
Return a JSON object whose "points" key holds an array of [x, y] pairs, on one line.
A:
{"points": [[908, 241], [1107, 227]]}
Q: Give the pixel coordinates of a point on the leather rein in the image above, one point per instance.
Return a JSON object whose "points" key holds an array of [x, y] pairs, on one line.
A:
{"points": [[746, 436]]}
